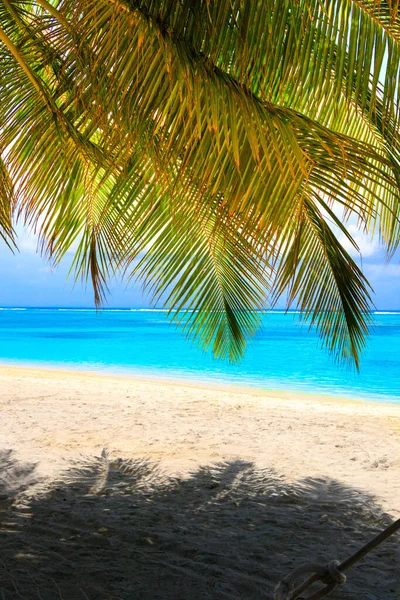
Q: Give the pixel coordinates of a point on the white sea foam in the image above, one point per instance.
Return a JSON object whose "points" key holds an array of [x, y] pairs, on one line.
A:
{"points": [[76, 309], [386, 312], [93, 310], [12, 308], [148, 310]]}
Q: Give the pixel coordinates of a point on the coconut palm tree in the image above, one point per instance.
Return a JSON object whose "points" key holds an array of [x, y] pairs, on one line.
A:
{"points": [[214, 149]]}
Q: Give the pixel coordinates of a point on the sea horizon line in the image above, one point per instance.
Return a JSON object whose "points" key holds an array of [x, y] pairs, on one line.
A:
{"points": [[376, 311]]}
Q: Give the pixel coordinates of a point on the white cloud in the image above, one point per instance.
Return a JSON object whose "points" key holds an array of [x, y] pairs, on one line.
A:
{"points": [[383, 271], [368, 246], [27, 241]]}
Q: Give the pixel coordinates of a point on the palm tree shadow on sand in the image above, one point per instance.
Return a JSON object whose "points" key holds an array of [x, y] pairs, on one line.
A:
{"points": [[119, 529]]}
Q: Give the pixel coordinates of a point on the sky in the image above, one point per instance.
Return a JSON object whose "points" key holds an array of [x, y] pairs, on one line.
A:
{"points": [[27, 279]]}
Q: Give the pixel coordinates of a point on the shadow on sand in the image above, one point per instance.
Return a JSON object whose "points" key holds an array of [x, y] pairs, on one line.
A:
{"points": [[117, 529]]}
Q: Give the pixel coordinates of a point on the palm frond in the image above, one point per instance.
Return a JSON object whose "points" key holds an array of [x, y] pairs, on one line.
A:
{"points": [[385, 13], [213, 277], [324, 282], [230, 139], [7, 203]]}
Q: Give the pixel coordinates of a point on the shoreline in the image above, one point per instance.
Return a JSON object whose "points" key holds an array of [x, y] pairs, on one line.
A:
{"points": [[48, 370]]}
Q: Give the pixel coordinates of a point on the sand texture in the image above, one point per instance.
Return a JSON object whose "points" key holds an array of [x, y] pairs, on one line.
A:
{"points": [[114, 488]]}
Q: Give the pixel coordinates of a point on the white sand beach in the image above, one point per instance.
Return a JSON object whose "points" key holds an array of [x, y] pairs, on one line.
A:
{"points": [[199, 493]]}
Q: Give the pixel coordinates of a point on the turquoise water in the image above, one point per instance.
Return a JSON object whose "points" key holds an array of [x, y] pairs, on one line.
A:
{"points": [[283, 356]]}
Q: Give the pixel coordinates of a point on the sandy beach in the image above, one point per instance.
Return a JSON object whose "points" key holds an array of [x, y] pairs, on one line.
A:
{"points": [[112, 487]]}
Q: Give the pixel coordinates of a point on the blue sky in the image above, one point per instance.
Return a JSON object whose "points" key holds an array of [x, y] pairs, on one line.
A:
{"points": [[27, 279]]}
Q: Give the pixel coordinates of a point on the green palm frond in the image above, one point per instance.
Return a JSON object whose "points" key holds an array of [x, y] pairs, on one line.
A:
{"points": [[195, 144], [324, 282], [385, 13], [7, 203], [197, 257], [232, 139]]}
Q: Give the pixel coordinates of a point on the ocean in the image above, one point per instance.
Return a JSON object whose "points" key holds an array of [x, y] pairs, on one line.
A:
{"points": [[284, 355]]}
